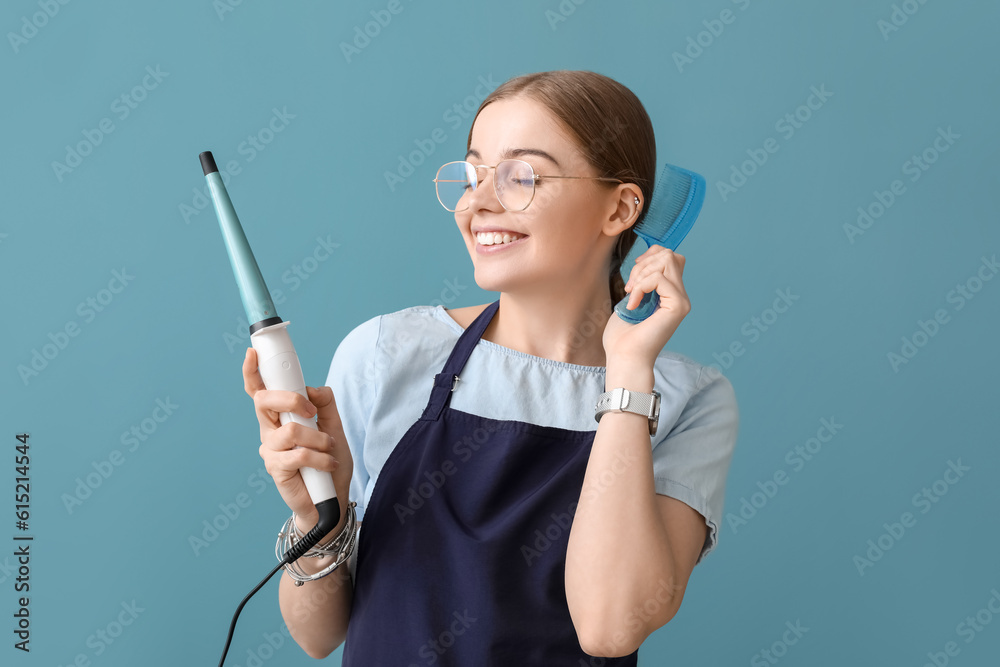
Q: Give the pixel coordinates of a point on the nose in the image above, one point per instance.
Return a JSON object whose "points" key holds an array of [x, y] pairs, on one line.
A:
{"points": [[485, 182]]}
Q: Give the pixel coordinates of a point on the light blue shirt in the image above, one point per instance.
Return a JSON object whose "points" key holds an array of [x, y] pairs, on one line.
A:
{"points": [[383, 370]]}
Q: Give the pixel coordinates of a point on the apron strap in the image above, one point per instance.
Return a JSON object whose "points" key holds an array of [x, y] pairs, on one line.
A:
{"points": [[444, 382]]}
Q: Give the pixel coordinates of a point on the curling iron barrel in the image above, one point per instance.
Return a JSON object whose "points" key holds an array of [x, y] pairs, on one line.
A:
{"points": [[276, 359]]}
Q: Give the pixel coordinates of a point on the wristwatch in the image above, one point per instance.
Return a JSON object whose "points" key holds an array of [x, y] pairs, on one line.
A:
{"points": [[623, 400]]}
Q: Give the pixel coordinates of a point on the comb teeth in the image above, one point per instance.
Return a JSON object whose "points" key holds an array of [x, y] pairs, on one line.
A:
{"points": [[673, 208], [675, 205]]}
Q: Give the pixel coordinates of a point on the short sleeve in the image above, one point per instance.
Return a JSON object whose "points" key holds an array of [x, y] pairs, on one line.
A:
{"points": [[692, 461], [352, 378]]}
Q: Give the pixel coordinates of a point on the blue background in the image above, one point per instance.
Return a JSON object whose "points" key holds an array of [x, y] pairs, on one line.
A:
{"points": [[175, 332]]}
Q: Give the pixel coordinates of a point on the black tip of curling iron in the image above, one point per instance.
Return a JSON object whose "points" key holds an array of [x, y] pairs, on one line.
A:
{"points": [[329, 514], [208, 162], [329, 517]]}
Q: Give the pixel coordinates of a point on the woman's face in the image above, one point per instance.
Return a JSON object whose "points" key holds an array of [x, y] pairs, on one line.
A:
{"points": [[562, 245]]}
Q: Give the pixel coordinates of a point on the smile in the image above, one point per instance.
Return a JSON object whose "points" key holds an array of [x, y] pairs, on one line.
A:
{"points": [[497, 238], [488, 243]]}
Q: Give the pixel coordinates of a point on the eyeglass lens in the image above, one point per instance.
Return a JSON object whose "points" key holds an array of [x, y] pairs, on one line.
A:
{"points": [[513, 181]]}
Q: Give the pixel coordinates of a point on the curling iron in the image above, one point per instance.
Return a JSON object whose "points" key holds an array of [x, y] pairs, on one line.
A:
{"points": [[276, 359]]}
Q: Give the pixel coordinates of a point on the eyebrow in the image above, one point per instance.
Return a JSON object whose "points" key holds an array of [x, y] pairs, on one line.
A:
{"points": [[515, 153]]}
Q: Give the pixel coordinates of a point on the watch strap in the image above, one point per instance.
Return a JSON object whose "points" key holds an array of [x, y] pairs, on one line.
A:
{"points": [[620, 399]]}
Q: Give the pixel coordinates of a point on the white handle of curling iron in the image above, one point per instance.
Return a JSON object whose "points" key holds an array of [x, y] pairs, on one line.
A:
{"points": [[279, 368]]}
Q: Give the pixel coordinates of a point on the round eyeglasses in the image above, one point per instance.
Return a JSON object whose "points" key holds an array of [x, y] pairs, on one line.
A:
{"points": [[513, 181]]}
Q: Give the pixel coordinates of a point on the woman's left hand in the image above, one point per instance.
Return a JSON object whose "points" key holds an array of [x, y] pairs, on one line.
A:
{"points": [[657, 269]]}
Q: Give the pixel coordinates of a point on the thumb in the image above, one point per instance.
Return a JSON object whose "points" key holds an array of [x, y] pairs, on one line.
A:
{"points": [[328, 419]]}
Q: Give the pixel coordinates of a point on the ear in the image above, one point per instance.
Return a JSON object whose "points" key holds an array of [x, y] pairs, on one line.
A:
{"points": [[623, 210]]}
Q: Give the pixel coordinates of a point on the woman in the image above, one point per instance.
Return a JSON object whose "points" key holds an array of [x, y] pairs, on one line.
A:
{"points": [[499, 526]]}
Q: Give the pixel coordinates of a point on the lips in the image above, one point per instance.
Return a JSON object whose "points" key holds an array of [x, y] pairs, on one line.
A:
{"points": [[496, 230]]}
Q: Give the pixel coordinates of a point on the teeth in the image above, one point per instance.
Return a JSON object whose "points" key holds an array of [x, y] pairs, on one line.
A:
{"points": [[496, 238]]}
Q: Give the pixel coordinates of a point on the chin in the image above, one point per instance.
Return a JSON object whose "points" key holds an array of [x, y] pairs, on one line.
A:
{"points": [[493, 281]]}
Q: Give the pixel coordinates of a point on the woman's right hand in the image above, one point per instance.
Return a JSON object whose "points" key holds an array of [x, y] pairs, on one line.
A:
{"points": [[325, 449]]}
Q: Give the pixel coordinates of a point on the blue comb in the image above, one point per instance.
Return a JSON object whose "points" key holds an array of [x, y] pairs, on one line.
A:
{"points": [[674, 206]]}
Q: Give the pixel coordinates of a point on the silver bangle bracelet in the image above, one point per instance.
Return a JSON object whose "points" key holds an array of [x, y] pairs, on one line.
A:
{"points": [[318, 550], [340, 547]]}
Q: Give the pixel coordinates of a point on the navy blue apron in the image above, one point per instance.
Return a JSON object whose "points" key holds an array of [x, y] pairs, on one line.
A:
{"points": [[462, 554]]}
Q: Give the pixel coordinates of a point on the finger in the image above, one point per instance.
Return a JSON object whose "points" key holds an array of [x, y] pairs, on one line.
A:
{"points": [[302, 457], [667, 261], [294, 435], [678, 263], [652, 257], [673, 298], [634, 298], [636, 294], [326, 405], [655, 281], [640, 273], [252, 382], [269, 403], [660, 256]]}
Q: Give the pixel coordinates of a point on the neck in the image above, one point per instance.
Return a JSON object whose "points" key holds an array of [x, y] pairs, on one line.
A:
{"points": [[564, 325]]}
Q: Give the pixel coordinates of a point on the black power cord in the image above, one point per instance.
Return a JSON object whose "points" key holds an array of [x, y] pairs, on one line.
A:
{"points": [[329, 517]]}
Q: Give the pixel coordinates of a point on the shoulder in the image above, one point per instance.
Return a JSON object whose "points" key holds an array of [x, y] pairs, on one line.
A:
{"points": [[392, 347], [423, 319], [422, 326], [434, 322]]}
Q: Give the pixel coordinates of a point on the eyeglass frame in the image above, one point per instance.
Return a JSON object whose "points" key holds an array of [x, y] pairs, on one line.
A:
{"points": [[534, 181]]}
